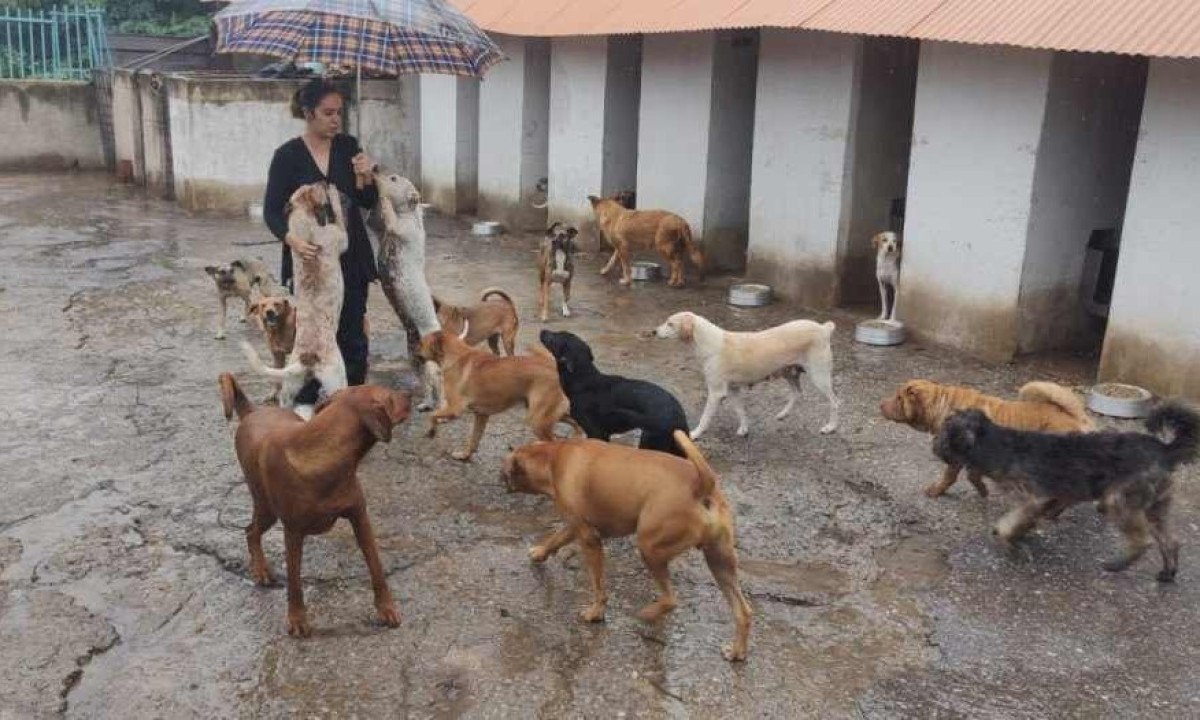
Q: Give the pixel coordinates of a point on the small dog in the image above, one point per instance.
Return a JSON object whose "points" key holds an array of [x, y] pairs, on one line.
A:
{"points": [[556, 264], [303, 474], [232, 281], [605, 405], [487, 385], [1129, 473], [276, 315], [604, 490], [1042, 406], [314, 213], [493, 318], [732, 361], [629, 230], [887, 272]]}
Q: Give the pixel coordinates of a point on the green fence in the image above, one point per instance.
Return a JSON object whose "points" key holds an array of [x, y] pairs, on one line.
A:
{"points": [[64, 43]]}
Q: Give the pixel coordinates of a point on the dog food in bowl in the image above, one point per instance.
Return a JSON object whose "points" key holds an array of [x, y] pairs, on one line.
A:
{"points": [[1120, 400], [880, 332], [643, 270], [749, 295]]}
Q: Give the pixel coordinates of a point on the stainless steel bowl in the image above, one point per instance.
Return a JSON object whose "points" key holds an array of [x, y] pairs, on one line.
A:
{"points": [[880, 332], [256, 210], [487, 228], [749, 295], [1120, 400], [645, 270]]}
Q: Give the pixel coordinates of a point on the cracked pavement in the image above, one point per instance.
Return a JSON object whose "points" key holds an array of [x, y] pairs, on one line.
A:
{"points": [[124, 589]]}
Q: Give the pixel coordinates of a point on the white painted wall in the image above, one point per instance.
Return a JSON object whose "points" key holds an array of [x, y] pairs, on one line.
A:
{"points": [[127, 125], [978, 122], [449, 142], [391, 124], [49, 125], [155, 136], [1154, 328]]}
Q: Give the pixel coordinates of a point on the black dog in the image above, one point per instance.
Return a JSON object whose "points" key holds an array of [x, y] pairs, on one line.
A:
{"points": [[1129, 473], [609, 404]]}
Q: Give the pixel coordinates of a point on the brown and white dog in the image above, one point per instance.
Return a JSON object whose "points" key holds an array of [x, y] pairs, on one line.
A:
{"points": [[605, 490], [233, 281], [276, 315], [733, 361], [556, 266], [887, 272], [493, 318], [485, 384], [315, 214], [630, 230]]}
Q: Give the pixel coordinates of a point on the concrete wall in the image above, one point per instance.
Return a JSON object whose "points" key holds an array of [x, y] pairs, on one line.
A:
{"points": [[514, 114], [1080, 185], [391, 124], [1153, 327], [49, 125], [978, 123], [158, 172], [127, 127], [450, 142]]}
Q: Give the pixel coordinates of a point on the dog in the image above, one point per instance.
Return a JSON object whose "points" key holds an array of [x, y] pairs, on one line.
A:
{"points": [[276, 315], [487, 385], [1042, 406], [605, 405], [232, 281], [732, 361], [315, 213], [303, 474], [1128, 472], [399, 223], [604, 490], [629, 230], [887, 272], [493, 318], [556, 264]]}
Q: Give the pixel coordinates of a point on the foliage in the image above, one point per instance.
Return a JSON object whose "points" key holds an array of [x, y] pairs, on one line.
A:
{"points": [[141, 17]]}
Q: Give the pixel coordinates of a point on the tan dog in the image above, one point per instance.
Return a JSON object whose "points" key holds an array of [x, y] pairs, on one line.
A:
{"points": [[605, 490], [1042, 406], [276, 316], [630, 230], [487, 385], [303, 474], [493, 318]]}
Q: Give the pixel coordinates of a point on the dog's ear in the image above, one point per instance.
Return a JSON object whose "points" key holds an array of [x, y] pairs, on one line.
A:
{"points": [[687, 327], [255, 309], [550, 230], [238, 265], [399, 406], [572, 231], [210, 269], [877, 240], [437, 304], [593, 200], [378, 421]]}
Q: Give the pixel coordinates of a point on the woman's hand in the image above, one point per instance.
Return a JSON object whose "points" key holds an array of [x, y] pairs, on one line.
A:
{"points": [[302, 247], [364, 167]]}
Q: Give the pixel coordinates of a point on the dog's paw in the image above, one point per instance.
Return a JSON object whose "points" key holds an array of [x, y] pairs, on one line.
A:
{"points": [[566, 311], [625, 282], [1116, 564], [389, 615], [425, 406], [1165, 576], [732, 654], [743, 431], [538, 554], [461, 455], [695, 434], [544, 317], [262, 576], [934, 490], [241, 319], [654, 611], [298, 625], [220, 335], [593, 614], [829, 428], [431, 432]]}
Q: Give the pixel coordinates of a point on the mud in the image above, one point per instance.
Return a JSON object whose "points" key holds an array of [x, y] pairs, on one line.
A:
{"points": [[124, 589]]}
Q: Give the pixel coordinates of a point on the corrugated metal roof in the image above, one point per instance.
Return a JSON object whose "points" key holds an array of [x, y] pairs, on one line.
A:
{"points": [[1160, 28]]}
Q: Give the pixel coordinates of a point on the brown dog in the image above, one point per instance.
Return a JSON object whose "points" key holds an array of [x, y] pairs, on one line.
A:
{"points": [[556, 265], [629, 230], [276, 316], [493, 318], [1042, 406], [487, 385], [604, 490], [303, 474]]}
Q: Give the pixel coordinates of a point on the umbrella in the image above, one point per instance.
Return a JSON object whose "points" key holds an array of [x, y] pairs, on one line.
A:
{"points": [[388, 37]]}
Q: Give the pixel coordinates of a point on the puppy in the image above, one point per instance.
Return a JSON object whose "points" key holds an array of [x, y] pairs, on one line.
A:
{"points": [[1043, 406], [605, 405], [732, 361], [487, 385], [232, 281], [304, 475], [493, 318], [604, 491], [887, 271], [276, 315], [1129, 473], [314, 213], [556, 264], [630, 230]]}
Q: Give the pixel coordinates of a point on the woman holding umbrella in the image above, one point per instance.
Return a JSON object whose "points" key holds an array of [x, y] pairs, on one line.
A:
{"points": [[323, 153]]}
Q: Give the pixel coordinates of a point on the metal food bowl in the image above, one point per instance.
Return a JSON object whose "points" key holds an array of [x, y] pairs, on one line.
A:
{"points": [[487, 228], [880, 332], [1120, 400], [645, 270], [256, 211], [749, 295]]}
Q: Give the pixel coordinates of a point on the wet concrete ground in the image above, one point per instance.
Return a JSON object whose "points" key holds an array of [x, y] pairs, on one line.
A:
{"points": [[124, 589]]}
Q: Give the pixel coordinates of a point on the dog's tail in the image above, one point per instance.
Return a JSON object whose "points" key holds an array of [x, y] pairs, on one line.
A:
{"points": [[708, 479], [1060, 397], [1184, 424], [692, 248], [296, 368], [232, 397], [497, 291]]}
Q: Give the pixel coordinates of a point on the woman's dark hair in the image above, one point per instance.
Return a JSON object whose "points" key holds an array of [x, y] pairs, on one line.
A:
{"points": [[310, 95]]}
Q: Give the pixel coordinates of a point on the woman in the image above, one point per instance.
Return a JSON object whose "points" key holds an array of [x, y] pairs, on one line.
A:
{"points": [[322, 153]]}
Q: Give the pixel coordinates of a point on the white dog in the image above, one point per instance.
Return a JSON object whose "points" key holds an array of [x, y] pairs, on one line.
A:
{"points": [[887, 271], [732, 361], [315, 214]]}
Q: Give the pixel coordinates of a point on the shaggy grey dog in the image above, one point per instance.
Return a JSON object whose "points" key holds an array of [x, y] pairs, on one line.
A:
{"points": [[1128, 472]]}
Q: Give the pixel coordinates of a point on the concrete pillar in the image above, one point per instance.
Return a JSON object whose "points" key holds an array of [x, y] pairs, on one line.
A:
{"points": [[391, 124], [127, 127], [450, 143], [1153, 334], [695, 135], [595, 85], [514, 114]]}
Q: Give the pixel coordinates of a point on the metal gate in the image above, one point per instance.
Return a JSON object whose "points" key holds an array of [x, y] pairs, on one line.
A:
{"points": [[61, 43]]}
